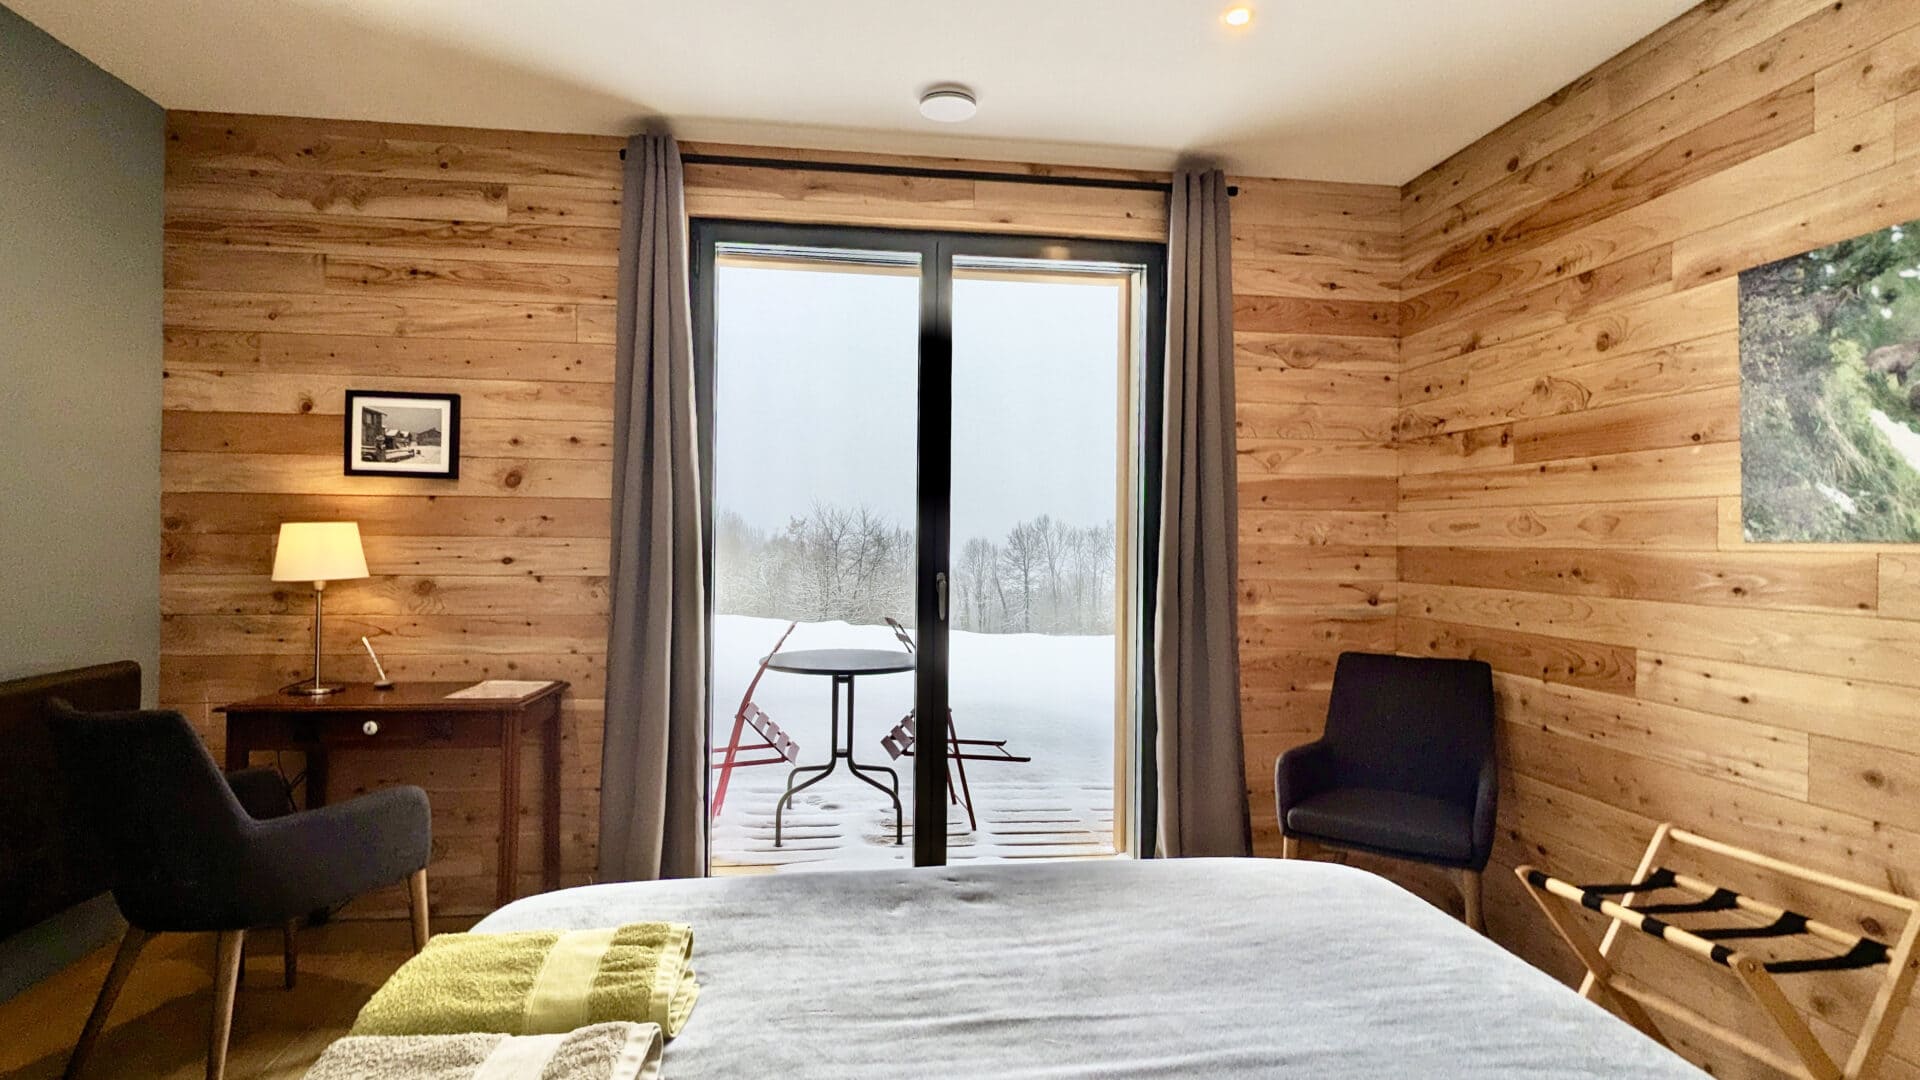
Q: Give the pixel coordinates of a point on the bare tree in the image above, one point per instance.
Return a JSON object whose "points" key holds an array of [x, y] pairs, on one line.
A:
{"points": [[857, 565]]}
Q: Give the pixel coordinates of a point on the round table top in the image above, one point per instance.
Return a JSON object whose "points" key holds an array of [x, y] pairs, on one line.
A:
{"points": [[841, 661]]}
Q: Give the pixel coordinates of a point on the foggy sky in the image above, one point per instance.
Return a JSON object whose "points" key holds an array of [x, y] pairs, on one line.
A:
{"points": [[815, 398]]}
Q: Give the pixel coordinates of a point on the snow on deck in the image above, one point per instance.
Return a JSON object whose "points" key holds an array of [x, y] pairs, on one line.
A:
{"points": [[1051, 698]]}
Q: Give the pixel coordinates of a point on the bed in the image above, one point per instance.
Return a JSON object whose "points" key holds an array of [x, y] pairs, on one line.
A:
{"points": [[1190, 968]]}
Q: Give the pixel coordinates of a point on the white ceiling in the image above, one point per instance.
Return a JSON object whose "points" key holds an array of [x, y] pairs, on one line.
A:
{"points": [[1362, 90]]}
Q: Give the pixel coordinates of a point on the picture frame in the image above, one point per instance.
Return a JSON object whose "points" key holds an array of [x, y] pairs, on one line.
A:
{"points": [[1830, 393], [400, 433]]}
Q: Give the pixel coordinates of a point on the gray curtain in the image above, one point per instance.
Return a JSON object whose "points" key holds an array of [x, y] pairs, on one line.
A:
{"points": [[1202, 797], [653, 761]]}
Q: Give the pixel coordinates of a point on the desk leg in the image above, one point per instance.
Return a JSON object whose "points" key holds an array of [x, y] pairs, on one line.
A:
{"points": [[550, 797], [238, 755], [316, 798], [316, 778], [509, 869]]}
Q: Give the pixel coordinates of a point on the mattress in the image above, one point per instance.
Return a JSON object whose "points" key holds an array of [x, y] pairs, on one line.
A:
{"points": [[1110, 968]]}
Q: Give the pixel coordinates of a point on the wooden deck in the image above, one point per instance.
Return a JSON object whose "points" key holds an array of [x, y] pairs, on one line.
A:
{"points": [[849, 826]]}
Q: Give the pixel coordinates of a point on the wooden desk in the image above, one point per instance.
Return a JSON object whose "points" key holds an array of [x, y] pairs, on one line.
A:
{"points": [[416, 716]]}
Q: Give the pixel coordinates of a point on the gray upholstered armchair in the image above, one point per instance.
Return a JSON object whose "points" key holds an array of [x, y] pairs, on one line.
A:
{"points": [[191, 850], [1405, 769]]}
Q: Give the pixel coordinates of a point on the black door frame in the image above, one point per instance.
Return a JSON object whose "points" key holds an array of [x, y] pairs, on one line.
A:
{"points": [[933, 532]]}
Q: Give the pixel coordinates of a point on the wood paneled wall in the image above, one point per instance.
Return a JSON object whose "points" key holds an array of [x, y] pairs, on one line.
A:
{"points": [[1569, 498], [1316, 321], [304, 257]]}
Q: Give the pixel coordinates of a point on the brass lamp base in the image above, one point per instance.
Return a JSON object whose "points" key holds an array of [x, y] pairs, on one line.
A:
{"points": [[314, 687]]}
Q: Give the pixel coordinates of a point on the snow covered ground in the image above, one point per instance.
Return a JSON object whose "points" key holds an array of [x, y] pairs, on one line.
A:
{"points": [[1051, 698]]}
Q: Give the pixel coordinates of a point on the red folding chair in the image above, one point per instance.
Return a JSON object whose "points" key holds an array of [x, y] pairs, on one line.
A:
{"points": [[783, 748], [899, 744]]}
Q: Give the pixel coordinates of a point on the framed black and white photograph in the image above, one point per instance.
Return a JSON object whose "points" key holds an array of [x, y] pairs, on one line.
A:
{"points": [[399, 434]]}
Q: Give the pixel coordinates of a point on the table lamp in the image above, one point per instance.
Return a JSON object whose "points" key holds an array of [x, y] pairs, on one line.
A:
{"points": [[318, 551]]}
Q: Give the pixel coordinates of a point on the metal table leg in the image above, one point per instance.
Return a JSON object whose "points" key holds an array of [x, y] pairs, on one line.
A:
{"points": [[861, 771], [833, 759], [855, 766]]}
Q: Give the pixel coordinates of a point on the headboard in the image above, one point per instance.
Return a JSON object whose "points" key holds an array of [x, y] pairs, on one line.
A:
{"points": [[47, 863]]}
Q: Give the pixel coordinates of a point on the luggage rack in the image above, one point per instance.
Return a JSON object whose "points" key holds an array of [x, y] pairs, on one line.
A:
{"points": [[1850, 952]]}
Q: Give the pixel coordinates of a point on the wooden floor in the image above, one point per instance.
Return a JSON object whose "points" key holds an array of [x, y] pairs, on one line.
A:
{"points": [[159, 1028]]}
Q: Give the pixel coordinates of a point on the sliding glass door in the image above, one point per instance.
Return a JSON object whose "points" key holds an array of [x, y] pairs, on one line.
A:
{"points": [[928, 460], [1043, 408]]}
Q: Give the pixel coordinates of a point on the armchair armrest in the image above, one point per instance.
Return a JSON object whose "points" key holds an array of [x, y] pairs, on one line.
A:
{"points": [[1300, 774], [262, 793], [1486, 802], [320, 857]]}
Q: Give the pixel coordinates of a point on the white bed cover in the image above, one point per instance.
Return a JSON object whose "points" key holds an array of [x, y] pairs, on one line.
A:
{"points": [[1108, 968]]}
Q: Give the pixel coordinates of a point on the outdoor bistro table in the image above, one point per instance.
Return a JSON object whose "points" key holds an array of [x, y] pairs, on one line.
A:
{"points": [[843, 666]]}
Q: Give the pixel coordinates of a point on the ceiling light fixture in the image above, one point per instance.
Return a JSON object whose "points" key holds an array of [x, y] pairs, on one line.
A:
{"points": [[1237, 17], [948, 104]]}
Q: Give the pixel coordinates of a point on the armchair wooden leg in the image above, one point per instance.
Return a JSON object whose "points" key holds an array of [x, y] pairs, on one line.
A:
{"points": [[226, 980], [291, 949], [1468, 882], [1289, 848], [131, 943], [417, 886]]}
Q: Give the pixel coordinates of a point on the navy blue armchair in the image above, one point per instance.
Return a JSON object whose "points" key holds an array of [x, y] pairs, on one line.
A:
{"points": [[1406, 768], [192, 850]]}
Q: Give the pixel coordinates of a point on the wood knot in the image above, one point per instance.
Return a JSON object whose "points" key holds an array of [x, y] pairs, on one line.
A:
{"points": [[512, 479]]}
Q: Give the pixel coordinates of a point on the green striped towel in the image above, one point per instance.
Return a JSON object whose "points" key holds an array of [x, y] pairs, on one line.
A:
{"points": [[539, 981], [600, 1052]]}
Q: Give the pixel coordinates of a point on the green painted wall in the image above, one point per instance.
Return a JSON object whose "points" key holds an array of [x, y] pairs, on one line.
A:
{"points": [[81, 167], [81, 164]]}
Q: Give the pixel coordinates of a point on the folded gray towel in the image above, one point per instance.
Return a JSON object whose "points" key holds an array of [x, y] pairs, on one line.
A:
{"points": [[615, 1051]]}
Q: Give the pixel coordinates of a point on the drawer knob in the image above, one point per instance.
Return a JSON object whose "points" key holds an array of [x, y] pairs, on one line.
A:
{"points": [[371, 727]]}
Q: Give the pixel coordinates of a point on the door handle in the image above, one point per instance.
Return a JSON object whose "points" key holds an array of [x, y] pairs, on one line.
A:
{"points": [[940, 593]]}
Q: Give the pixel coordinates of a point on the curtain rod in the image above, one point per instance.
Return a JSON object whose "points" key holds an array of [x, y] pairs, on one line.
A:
{"points": [[1109, 183]]}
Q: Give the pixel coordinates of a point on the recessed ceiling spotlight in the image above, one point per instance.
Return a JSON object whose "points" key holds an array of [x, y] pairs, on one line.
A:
{"points": [[948, 104], [1237, 16]]}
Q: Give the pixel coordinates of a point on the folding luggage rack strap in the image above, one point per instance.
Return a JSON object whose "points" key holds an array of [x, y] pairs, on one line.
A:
{"points": [[1631, 1000]]}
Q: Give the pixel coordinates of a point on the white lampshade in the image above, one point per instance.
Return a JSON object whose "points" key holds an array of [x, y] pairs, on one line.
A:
{"points": [[319, 551]]}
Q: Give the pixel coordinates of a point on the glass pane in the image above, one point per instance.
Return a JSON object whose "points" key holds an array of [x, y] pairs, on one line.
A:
{"points": [[1043, 356], [816, 373]]}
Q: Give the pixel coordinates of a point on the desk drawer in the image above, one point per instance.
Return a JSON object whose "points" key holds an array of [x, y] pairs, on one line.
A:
{"points": [[365, 730]]}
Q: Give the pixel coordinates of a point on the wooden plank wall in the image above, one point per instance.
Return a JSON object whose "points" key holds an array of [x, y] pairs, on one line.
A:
{"points": [[304, 257], [1569, 499], [1316, 318]]}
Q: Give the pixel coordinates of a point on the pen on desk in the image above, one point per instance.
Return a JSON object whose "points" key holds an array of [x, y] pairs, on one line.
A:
{"points": [[384, 683]]}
